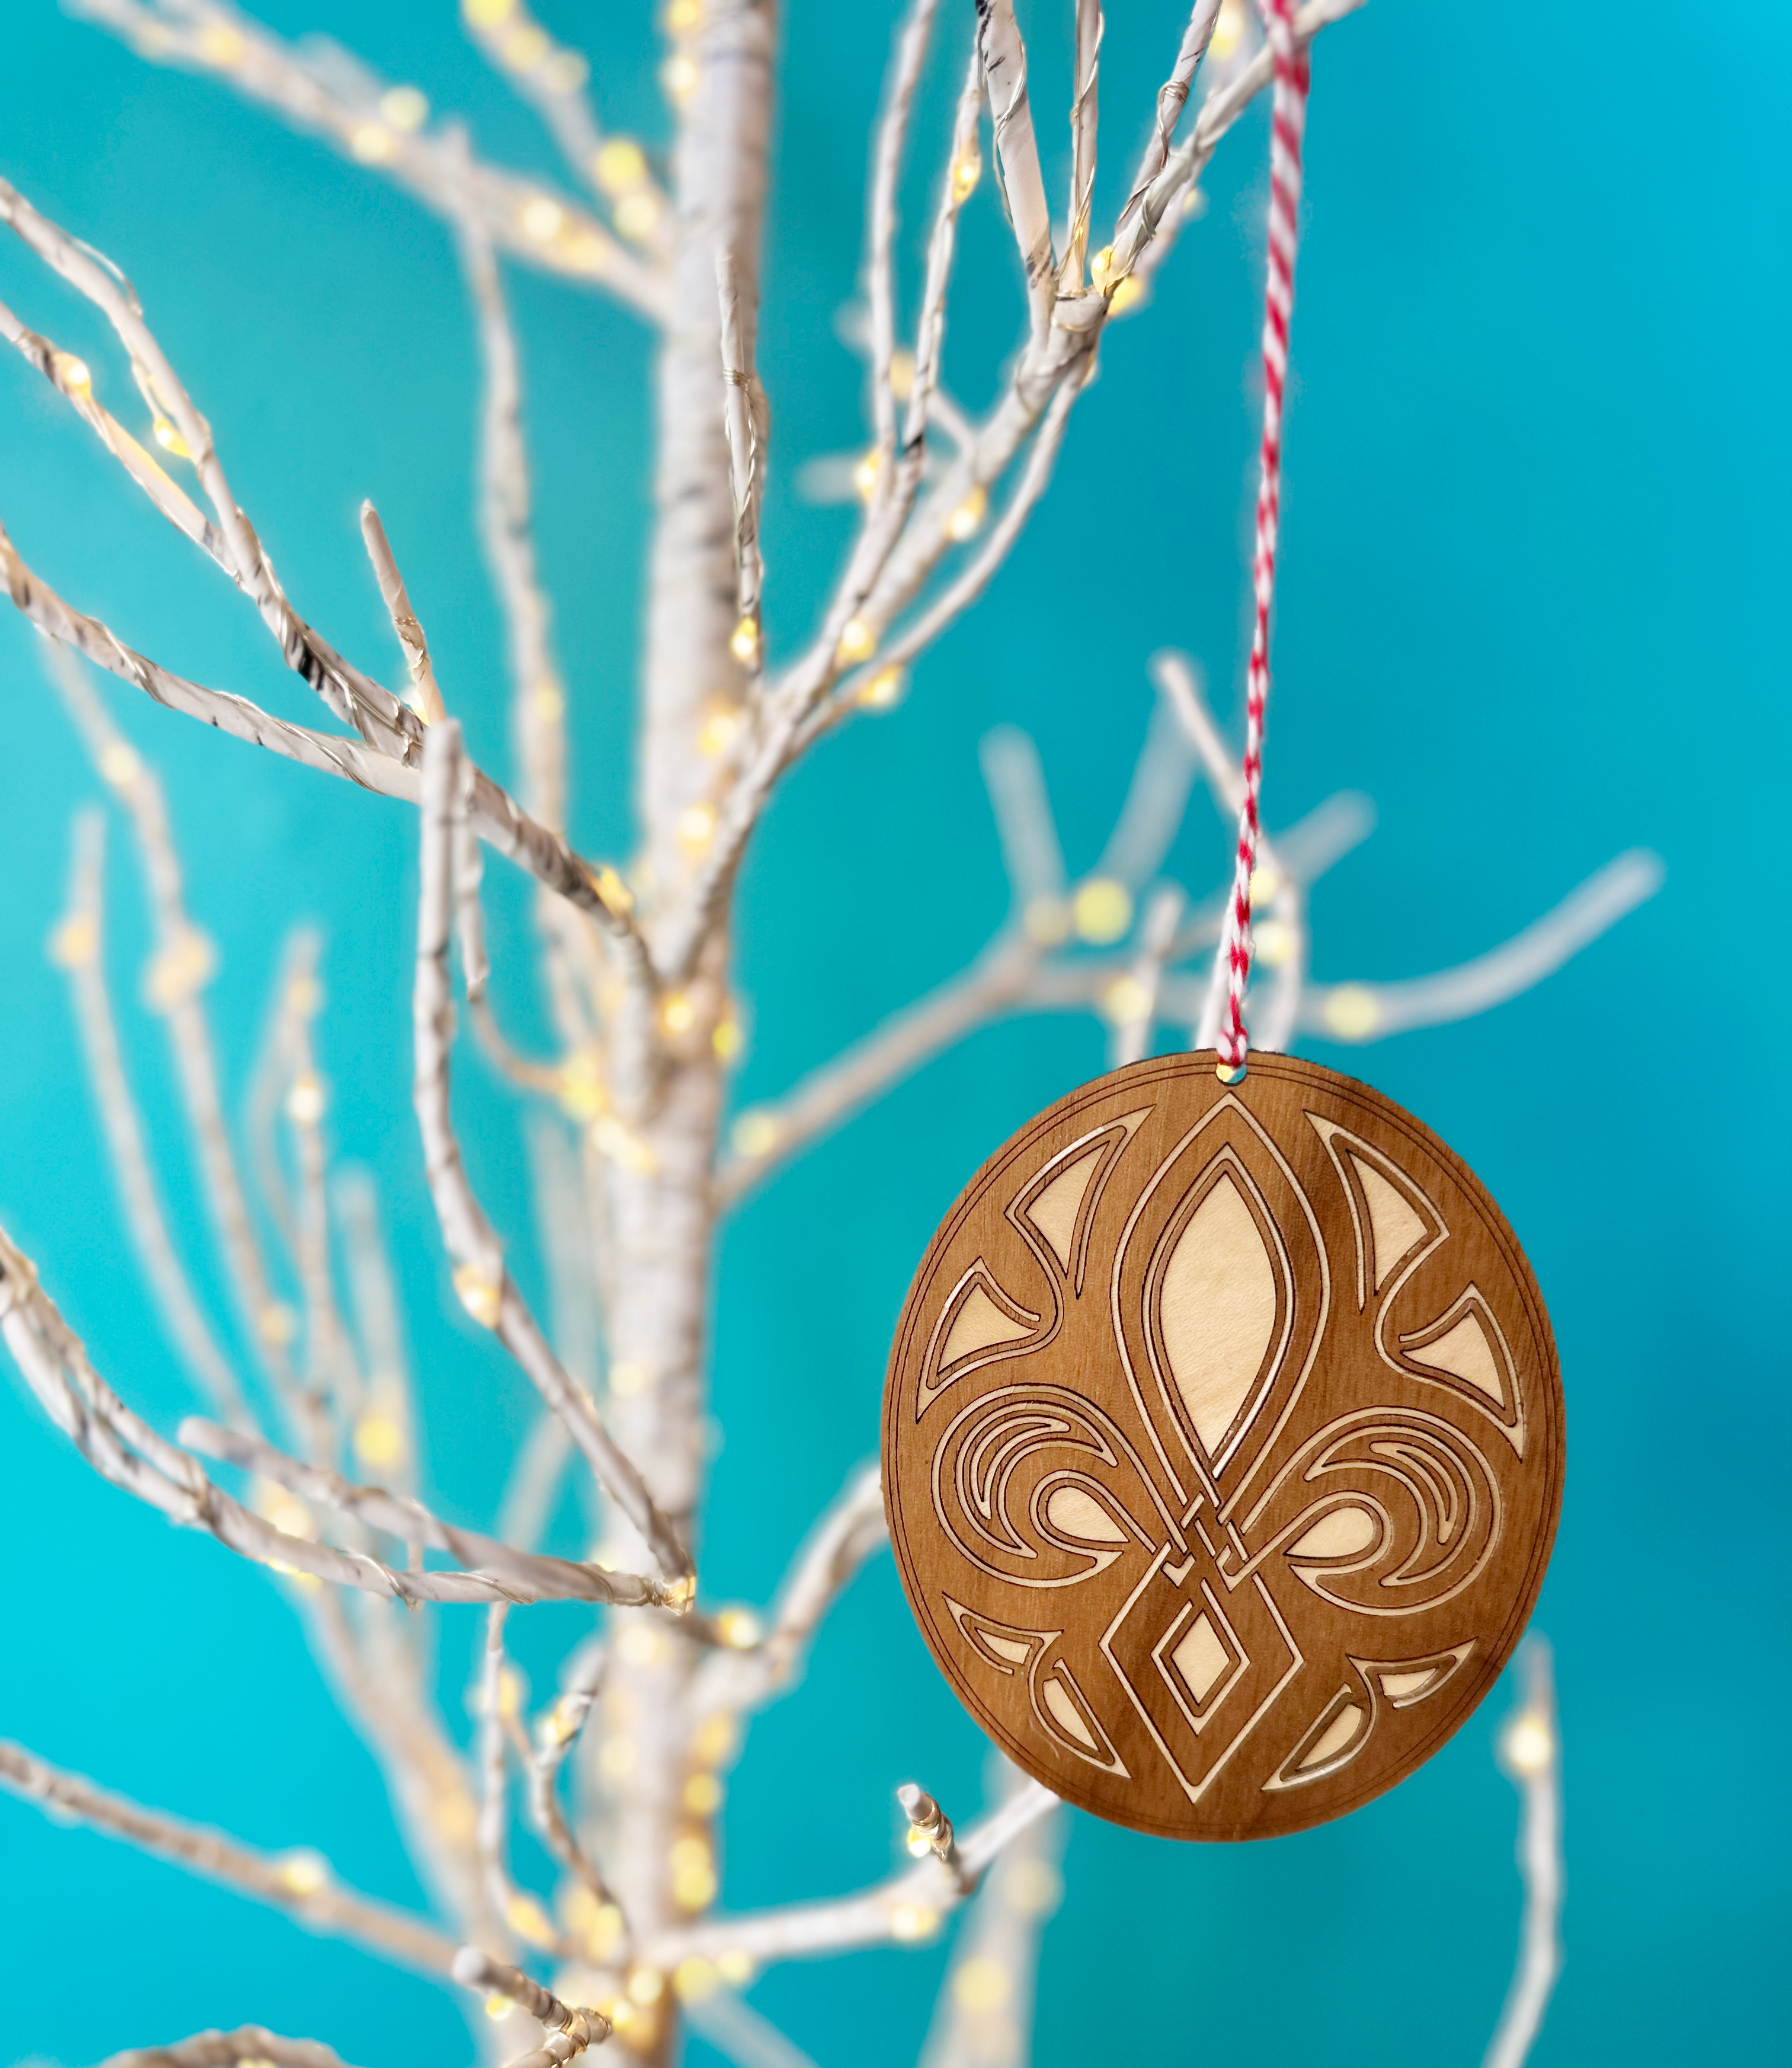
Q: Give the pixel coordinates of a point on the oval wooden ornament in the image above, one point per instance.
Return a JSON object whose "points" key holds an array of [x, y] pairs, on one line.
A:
{"points": [[1223, 1446]]}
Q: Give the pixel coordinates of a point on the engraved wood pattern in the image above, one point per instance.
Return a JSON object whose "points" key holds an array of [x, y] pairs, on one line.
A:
{"points": [[1223, 1446]]}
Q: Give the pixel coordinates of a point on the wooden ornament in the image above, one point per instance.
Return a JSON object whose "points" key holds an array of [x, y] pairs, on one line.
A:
{"points": [[1223, 1446]]}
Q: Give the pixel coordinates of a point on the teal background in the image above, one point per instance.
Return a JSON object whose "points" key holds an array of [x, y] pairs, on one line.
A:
{"points": [[1535, 601]]}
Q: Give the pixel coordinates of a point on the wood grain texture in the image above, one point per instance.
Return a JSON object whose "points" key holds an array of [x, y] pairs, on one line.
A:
{"points": [[1223, 1446]]}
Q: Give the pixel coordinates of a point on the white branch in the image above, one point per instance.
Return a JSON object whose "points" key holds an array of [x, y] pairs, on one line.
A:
{"points": [[1017, 152], [513, 1575], [299, 1882], [354, 110], [229, 2050], [1530, 1752], [1370, 1012], [486, 1287], [81, 947], [892, 135], [355, 698], [908, 1905], [397, 599], [850, 1532], [573, 2030]]}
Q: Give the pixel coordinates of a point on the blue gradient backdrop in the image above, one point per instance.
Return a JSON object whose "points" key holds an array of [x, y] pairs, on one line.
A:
{"points": [[1535, 603]]}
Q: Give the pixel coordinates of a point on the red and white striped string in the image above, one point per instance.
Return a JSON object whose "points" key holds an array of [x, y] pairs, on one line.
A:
{"points": [[1287, 125]]}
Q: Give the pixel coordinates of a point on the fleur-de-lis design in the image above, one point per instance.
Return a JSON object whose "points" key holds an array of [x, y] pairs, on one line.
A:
{"points": [[1223, 1446]]}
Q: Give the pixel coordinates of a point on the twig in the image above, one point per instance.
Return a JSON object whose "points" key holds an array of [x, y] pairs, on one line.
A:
{"points": [[1172, 97], [80, 949], [229, 2050], [1149, 221], [486, 1289], [183, 961], [983, 2016], [123, 1448], [537, 693], [397, 599], [551, 78], [355, 698], [574, 2030], [1023, 188], [1083, 129], [300, 1883], [1144, 981], [907, 1905], [501, 821], [998, 982], [557, 1733], [892, 135], [387, 1436], [521, 1914], [1370, 1012], [848, 1533], [526, 1576], [534, 222], [975, 577], [1530, 1750], [1031, 852]]}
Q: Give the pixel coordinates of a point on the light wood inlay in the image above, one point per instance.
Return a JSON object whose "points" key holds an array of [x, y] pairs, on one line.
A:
{"points": [[1054, 1213], [1201, 1658], [1080, 1514], [981, 1325], [1222, 1446], [1466, 1353], [1393, 1224], [1341, 1534], [1218, 1312]]}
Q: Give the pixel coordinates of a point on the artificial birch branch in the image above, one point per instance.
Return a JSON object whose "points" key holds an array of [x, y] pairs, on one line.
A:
{"points": [[850, 1531], [522, 1913], [1172, 97], [355, 698], [1048, 361], [1023, 188], [397, 599], [997, 982], [383, 127], [180, 968], [123, 1448], [229, 2050], [529, 1576], [72, 379], [485, 1287], [909, 1905], [1530, 1750], [506, 512], [1142, 983], [300, 1883], [892, 136], [500, 822], [574, 2030], [982, 2015], [1146, 215], [928, 401], [1370, 1012], [79, 947], [975, 577], [1083, 128], [551, 78], [556, 1734]]}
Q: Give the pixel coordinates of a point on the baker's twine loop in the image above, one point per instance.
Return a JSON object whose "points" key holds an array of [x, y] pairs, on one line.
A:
{"points": [[1287, 126]]}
